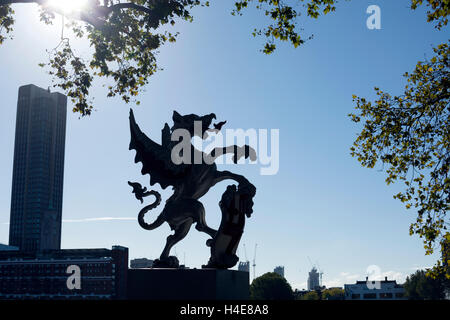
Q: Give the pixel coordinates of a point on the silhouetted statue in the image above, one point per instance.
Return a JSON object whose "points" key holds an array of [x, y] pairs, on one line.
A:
{"points": [[191, 180]]}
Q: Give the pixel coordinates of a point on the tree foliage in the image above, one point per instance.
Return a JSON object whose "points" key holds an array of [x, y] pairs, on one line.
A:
{"points": [[438, 11], [410, 135], [333, 294], [312, 295], [271, 286], [284, 19], [419, 286], [124, 36]]}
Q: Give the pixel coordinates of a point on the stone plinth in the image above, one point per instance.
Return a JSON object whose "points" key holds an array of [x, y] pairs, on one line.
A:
{"points": [[187, 284]]}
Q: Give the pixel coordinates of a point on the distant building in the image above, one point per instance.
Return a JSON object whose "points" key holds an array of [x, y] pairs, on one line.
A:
{"points": [[313, 280], [376, 290], [4, 247], [45, 275], [279, 270], [38, 171], [244, 266], [141, 263]]}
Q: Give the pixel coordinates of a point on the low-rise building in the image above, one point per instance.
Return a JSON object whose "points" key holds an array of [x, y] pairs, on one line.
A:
{"points": [[374, 290], [141, 263], [51, 274], [4, 247]]}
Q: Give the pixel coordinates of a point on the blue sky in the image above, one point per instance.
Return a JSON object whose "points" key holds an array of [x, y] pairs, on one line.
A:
{"points": [[322, 204]]}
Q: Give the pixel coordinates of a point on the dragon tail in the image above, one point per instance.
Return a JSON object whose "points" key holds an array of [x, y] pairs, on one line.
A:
{"points": [[159, 220]]}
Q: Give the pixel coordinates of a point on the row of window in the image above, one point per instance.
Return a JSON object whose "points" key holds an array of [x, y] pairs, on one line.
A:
{"points": [[384, 295]]}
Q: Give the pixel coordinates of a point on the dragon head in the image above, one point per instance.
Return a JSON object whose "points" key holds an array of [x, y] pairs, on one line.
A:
{"points": [[188, 122]]}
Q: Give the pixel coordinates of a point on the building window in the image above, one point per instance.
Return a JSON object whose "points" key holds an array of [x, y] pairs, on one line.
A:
{"points": [[370, 296], [356, 296]]}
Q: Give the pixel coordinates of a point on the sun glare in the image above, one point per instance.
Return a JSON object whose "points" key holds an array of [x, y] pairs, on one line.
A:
{"points": [[68, 6]]}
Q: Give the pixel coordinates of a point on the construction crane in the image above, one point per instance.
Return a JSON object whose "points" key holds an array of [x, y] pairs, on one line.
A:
{"points": [[310, 262], [245, 253], [254, 262]]}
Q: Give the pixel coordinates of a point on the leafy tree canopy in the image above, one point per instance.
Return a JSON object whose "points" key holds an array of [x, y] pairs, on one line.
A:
{"points": [[410, 135], [333, 294], [438, 11], [126, 34], [419, 286], [271, 286], [312, 295]]}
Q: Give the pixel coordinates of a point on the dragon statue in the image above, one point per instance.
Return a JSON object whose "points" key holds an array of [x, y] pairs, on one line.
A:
{"points": [[191, 180]]}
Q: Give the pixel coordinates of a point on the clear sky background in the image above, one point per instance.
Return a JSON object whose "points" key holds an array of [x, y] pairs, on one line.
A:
{"points": [[322, 204]]}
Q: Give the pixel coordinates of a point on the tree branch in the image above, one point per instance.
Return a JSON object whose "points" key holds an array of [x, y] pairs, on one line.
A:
{"points": [[98, 11], [120, 6], [7, 2]]}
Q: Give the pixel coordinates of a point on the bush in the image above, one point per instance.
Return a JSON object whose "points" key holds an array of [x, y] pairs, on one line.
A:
{"points": [[271, 286]]}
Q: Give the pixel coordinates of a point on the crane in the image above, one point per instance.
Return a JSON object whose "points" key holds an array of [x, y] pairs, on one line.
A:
{"points": [[254, 262], [245, 253], [309, 259]]}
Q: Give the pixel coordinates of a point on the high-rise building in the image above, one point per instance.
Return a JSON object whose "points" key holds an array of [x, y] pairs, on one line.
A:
{"points": [[37, 186], [313, 279], [244, 266], [279, 270]]}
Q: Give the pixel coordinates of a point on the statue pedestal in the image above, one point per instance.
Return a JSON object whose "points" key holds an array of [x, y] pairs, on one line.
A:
{"points": [[187, 284]]}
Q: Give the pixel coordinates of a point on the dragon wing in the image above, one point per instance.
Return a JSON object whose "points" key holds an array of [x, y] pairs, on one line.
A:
{"points": [[156, 159]]}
